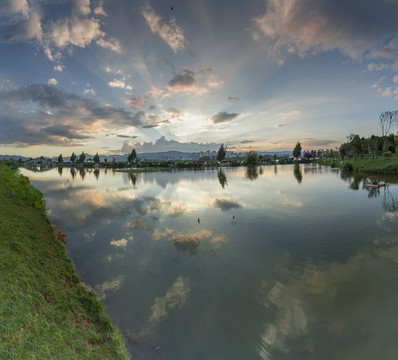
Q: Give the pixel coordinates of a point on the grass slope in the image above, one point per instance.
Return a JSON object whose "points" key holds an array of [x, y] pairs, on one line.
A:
{"points": [[45, 312]]}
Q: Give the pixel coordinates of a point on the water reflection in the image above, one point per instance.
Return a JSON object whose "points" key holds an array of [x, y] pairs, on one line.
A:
{"points": [[252, 172], [298, 174], [271, 271], [222, 178]]}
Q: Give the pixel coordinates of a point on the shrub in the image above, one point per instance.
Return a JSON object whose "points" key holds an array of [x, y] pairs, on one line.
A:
{"points": [[387, 154], [347, 167]]}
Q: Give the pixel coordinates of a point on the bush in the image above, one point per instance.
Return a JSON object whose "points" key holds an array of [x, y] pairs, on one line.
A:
{"points": [[347, 167], [387, 154]]}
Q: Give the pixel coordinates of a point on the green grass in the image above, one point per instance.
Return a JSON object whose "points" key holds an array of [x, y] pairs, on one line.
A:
{"points": [[45, 312], [380, 165]]}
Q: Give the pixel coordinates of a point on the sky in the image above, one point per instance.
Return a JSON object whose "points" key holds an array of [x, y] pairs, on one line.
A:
{"points": [[108, 76]]}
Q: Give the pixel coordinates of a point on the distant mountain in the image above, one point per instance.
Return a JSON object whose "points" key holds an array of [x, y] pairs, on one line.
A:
{"points": [[13, 157]]}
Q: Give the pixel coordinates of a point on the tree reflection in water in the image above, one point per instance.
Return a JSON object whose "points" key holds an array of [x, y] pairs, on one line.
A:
{"points": [[298, 174], [132, 178], [222, 179], [356, 182], [252, 172]]}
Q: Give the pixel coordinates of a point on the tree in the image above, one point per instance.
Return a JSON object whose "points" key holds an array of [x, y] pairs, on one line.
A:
{"points": [[73, 157], [386, 119], [96, 158], [221, 153], [60, 159], [308, 155], [82, 157], [251, 157], [297, 150], [132, 157]]}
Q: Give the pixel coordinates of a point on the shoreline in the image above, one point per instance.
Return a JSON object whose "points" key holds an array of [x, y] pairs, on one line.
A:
{"points": [[46, 311]]}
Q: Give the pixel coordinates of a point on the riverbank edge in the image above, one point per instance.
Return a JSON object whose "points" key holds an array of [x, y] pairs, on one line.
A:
{"points": [[379, 166], [45, 311]]}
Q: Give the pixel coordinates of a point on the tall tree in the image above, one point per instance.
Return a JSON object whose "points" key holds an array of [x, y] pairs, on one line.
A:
{"points": [[60, 158], [297, 150], [73, 157], [133, 155], [221, 153], [386, 119], [82, 157], [96, 158]]}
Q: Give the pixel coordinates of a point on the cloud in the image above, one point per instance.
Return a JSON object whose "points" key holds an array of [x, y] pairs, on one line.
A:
{"points": [[127, 136], [247, 141], [377, 67], [189, 242], [223, 117], [136, 102], [138, 223], [14, 7], [290, 113], [226, 204], [170, 32], [233, 98], [59, 68], [120, 83], [308, 26], [89, 91], [80, 28], [197, 82], [175, 297], [162, 144], [28, 29], [52, 81], [280, 125], [56, 117], [111, 44]]}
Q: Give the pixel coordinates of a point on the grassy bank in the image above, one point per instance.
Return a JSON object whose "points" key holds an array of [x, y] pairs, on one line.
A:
{"points": [[45, 312], [380, 165]]}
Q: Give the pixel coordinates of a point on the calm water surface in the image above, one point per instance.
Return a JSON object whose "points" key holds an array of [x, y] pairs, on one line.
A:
{"points": [[273, 263]]}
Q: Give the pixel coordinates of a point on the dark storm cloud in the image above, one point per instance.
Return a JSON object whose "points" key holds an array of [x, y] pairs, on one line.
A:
{"points": [[223, 117], [41, 114]]}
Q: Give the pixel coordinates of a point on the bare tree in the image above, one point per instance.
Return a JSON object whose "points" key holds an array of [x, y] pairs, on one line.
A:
{"points": [[386, 119]]}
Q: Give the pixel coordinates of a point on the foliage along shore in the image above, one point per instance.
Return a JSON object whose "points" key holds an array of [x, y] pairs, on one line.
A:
{"points": [[383, 165], [45, 311]]}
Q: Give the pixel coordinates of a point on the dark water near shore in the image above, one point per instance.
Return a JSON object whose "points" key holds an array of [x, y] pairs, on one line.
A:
{"points": [[266, 263]]}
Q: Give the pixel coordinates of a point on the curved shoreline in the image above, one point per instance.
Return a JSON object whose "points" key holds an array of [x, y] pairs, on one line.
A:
{"points": [[45, 310]]}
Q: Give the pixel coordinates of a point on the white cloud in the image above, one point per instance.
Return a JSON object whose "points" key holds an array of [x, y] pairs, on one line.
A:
{"points": [[120, 83], [111, 44], [75, 31], [52, 81], [59, 68], [175, 297], [89, 91], [170, 32], [395, 78], [377, 67], [27, 29]]}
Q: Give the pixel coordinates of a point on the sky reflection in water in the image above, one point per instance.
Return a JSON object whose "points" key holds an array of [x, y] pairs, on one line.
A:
{"points": [[288, 262]]}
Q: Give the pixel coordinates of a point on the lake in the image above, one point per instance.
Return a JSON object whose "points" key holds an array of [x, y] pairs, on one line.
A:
{"points": [[271, 262]]}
